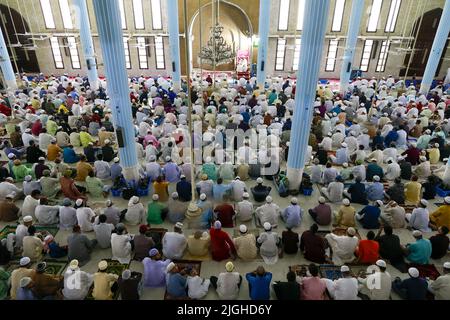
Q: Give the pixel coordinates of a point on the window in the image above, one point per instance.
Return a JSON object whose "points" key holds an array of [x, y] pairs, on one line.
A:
{"points": [[156, 14], [281, 49], [365, 59], [332, 54], [393, 15], [122, 14], [374, 15], [159, 53], [57, 57], [74, 57], [65, 13], [283, 17], [127, 53], [338, 14], [142, 53], [298, 43], [48, 15], [138, 14], [300, 14], [382, 59]]}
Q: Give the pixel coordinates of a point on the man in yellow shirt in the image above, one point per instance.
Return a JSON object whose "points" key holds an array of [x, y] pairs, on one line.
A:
{"points": [[412, 191], [53, 151], [85, 137], [441, 217], [103, 282], [434, 154], [345, 217], [83, 169]]}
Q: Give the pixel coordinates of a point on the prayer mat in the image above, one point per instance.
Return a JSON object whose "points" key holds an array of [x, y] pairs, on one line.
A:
{"points": [[299, 269], [53, 230], [333, 272], [426, 270], [439, 204], [191, 264], [188, 256], [114, 267], [12, 265], [338, 231], [55, 267], [409, 207]]}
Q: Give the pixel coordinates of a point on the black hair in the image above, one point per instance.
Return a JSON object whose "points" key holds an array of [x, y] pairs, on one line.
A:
{"points": [[291, 276], [388, 230], [314, 228], [444, 230], [370, 235], [102, 218], [313, 270], [31, 230]]}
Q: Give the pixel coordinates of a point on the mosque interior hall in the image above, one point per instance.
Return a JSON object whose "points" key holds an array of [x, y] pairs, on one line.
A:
{"points": [[224, 150]]}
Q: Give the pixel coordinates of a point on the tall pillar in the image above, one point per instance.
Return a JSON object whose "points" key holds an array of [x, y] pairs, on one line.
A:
{"points": [[436, 51], [313, 37], [350, 44], [264, 14], [86, 42], [6, 66], [107, 15], [174, 41]]}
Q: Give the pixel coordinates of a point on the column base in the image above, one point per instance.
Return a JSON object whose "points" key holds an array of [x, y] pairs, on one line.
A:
{"points": [[424, 88], [11, 84], [295, 178], [131, 173], [176, 86]]}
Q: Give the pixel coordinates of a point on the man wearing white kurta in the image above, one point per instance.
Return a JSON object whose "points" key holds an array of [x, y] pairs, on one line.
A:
{"points": [[174, 243]]}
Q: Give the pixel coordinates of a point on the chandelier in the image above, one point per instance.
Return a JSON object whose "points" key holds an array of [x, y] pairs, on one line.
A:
{"points": [[217, 52]]}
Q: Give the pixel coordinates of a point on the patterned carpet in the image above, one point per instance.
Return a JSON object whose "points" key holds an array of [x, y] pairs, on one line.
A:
{"points": [[114, 267], [53, 230], [185, 264], [333, 272], [55, 267], [426, 270], [299, 269]]}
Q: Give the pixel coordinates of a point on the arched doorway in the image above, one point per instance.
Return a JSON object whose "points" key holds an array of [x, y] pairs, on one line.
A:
{"points": [[425, 37], [15, 31], [237, 32]]}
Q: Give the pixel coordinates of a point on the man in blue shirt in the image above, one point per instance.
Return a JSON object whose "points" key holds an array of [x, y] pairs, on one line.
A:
{"points": [[375, 191], [184, 189], [413, 288], [69, 155], [259, 284], [24, 291], [220, 190], [420, 251], [176, 282], [369, 215], [292, 215]]}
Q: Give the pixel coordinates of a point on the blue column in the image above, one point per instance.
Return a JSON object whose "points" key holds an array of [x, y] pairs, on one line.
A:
{"points": [[86, 42], [107, 15], [313, 37], [174, 41], [6, 66], [264, 22], [436, 51], [350, 44]]}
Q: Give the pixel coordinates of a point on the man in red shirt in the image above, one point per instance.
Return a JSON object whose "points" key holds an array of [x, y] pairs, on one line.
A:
{"points": [[222, 247], [225, 213], [368, 250]]}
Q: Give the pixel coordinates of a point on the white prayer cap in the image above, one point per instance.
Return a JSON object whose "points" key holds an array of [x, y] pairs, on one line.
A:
{"points": [[381, 263], [79, 202], [217, 225], [344, 145], [413, 272], [428, 131], [243, 228], [329, 134], [24, 282], [267, 226], [116, 159], [351, 231], [229, 266], [424, 202], [447, 200], [41, 159], [152, 157], [107, 141], [259, 180], [74, 264], [102, 265], [203, 196], [28, 130], [170, 266], [345, 269], [417, 233], [11, 155], [27, 219], [376, 178], [155, 197], [345, 164], [447, 265], [379, 203], [108, 203], [24, 261], [179, 225], [28, 178], [175, 195], [126, 274], [436, 145], [346, 202], [390, 159], [246, 195], [322, 200], [269, 199], [208, 159], [168, 158], [294, 200], [182, 176]]}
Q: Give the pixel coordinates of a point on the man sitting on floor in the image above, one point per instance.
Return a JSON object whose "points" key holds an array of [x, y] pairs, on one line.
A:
{"points": [[343, 247], [413, 288]]}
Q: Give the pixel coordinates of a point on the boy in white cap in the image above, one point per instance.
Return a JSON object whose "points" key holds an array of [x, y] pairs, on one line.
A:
{"points": [[441, 286], [245, 244], [413, 288]]}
